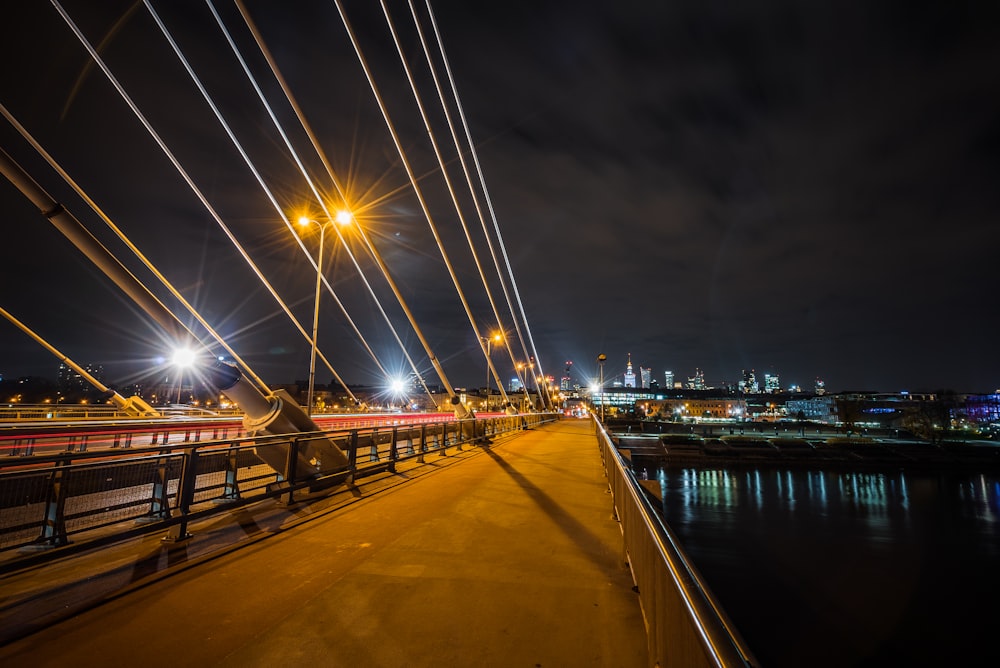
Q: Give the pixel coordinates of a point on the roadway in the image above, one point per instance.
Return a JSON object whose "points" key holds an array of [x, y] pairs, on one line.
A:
{"points": [[500, 556], [54, 436]]}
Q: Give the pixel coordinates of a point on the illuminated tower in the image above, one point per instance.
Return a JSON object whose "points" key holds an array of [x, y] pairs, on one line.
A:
{"points": [[629, 374], [566, 382], [668, 379], [646, 375]]}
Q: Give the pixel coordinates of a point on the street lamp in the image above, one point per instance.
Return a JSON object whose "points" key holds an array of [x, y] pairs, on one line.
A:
{"points": [[182, 359], [496, 338], [601, 359], [342, 218]]}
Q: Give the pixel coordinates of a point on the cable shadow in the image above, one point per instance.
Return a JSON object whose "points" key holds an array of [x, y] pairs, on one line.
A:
{"points": [[588, 542]]}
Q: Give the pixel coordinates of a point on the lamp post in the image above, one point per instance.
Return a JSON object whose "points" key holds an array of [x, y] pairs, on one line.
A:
{"points": [[342, 218], [601, 359], [496, 338]]}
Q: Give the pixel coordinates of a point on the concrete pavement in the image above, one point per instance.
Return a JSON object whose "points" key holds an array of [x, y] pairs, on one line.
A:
{"points": [[500, 556]]}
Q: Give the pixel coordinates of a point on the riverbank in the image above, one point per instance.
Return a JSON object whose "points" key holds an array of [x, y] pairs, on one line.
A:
{"points": [[794, 452]]}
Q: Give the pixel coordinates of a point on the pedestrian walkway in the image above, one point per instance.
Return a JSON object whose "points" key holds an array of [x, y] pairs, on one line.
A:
{"points": [[500, 556]]}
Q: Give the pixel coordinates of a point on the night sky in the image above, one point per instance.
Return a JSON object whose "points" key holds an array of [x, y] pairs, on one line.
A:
{"points": [[801, 188]]}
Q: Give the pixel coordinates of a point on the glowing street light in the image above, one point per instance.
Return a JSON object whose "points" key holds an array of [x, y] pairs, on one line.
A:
{"points": [[496, 338], [342, 218], [182, 358], [601, 359]]}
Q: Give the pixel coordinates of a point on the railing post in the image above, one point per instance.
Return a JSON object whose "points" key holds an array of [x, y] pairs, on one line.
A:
{"points": [[54, 526], [373, 449], [231, 490], [291, 460], [352, 456], [393, 452], [423, 443], [185, 496], [409, 441], [159, 505]]}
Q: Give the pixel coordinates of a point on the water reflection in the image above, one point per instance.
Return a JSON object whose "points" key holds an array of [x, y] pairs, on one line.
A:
{"points": [[879, 567]]}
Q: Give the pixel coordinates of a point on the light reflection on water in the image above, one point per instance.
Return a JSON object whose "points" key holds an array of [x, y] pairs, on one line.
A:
{"points": [[840, 568]]}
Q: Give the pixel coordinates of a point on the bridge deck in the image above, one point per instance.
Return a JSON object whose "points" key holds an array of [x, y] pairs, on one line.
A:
{"points": [[500, 556]]}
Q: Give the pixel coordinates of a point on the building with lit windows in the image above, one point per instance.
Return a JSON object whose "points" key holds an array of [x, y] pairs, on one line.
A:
{"points": [[816, 409], [749, 384], [566, 382], [646, 376], [629, 374], [668, 380], [983, 408], [70, 381], [696, 409], [621, 399], [697, 382]]}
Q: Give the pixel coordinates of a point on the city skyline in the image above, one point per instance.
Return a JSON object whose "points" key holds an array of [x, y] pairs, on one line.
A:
{"points": [[577, 378], [804, 189]]}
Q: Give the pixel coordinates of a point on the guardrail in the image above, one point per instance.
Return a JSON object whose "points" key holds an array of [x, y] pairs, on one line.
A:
{"points": [[47, 501], [17, 412], [685, 624], [56, 436]]}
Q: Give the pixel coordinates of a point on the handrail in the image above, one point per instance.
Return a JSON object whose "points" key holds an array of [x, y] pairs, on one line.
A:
{"points": [[45, 500], [685, 623]]}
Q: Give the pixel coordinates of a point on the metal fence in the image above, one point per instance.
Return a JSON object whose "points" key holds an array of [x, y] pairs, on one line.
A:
{"points": [[51, 500], [685, 624]]}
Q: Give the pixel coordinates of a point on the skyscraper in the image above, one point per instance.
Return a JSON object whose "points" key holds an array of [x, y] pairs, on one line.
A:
{"points": [[629, 374], [566, 382], [668, 380], [645, 375]]}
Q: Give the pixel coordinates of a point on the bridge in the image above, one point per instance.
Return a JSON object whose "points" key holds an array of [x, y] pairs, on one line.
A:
{"points": [[512, 553], [456, 539]]}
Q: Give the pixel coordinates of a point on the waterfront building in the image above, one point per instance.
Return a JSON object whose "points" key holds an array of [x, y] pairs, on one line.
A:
{"points": [[695, 408], [817, 409], [983, 409], [621, 399]]}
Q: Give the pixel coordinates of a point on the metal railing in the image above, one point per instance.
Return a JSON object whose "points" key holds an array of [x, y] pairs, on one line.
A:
{"points": [[49, 501], [685, 624]]}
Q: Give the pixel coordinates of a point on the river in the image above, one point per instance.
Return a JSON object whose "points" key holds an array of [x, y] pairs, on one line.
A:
{"points": [[836, 568]]}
